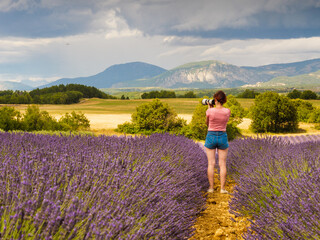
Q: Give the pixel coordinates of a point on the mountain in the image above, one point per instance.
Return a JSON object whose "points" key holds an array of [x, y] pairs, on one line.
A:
{"points": [[214, 74], [206, 74], [7, 85], [288, 69], [304, 80], [114, 74]]}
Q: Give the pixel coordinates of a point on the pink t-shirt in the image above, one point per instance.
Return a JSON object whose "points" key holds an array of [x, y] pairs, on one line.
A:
{"points": [[218, 118]]}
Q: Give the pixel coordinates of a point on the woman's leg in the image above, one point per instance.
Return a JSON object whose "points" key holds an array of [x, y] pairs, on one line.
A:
{"points": [[223, 166], [211, 160]]}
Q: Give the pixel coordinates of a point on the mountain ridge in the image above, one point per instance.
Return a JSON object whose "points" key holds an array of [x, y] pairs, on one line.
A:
{"points": [[202, 74]]}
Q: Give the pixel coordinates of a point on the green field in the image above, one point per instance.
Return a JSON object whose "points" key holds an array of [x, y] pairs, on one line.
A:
{"points": [[116, 106]]}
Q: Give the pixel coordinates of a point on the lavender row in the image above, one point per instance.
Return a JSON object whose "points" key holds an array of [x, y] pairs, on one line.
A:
{"points": [[84, 187], [278, 187], [301, 138]]}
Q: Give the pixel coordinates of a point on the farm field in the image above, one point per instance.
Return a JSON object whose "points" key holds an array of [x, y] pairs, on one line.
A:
{"points": [[106, 114]]}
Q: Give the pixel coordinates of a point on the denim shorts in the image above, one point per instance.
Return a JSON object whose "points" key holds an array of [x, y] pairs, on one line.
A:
{"points": [[216, 139]]}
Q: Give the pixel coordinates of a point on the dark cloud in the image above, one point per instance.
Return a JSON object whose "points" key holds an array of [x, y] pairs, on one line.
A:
{"points": [[205, 18]]}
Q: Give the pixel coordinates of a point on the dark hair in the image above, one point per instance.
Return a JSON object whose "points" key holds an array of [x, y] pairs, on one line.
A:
{"points": [[220, 96]]}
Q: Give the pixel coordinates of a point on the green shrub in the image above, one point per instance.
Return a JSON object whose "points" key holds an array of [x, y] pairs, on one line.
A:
{"points": [[36, 120], [153, 117], [198, 127], [272, 112], [74, 121]]}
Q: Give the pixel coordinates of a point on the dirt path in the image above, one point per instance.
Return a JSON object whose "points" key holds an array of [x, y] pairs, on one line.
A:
{"points": [[216, 222], [111, 121]]}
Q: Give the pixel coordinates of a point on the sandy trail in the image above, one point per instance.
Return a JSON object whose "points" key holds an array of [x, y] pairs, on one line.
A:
{"points": [[111, 121], [216, 222]]}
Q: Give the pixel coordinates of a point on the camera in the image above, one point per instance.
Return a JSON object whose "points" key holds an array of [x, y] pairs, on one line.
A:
{"points": [[207, 101]]}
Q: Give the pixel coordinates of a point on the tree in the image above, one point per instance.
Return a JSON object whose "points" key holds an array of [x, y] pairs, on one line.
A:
{"points": [[155, 116], [294, 94], [308, 94], [272, 112]]}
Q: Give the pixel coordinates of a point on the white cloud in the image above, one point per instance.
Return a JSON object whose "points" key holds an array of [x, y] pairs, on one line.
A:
{"points": [[256, 52], [117, 27]]}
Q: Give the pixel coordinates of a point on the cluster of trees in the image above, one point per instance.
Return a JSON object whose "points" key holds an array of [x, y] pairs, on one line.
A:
{"points": [[167, 94], [248, 94], [61, 94], [277, 113], [307, 94], [158, 94], [36, 120], [157, 116]]}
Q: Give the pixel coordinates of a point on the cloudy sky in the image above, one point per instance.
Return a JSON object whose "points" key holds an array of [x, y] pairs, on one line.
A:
{"points": [[50, 39]]}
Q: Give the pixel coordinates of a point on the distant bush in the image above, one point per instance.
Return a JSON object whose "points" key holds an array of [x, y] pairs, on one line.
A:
{"points": [[248, 94], [189, 94], [272, 112], [153, 117], [157, 94]]}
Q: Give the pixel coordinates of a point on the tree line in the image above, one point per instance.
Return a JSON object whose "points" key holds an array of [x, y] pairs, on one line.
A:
{"points": [[167, 94], [60, 94], [294, 94]]}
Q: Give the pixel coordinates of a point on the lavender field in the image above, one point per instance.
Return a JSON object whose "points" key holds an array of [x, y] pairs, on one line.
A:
{"points": [[85, 187], [278, 186]]}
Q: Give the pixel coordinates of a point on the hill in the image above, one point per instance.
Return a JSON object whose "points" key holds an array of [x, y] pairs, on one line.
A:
{"points": [[300, 81], [8, 85], [113, 75]]}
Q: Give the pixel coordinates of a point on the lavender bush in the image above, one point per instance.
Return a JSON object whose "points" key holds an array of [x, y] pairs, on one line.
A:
{"points": [[278, 187], [85, 187]]}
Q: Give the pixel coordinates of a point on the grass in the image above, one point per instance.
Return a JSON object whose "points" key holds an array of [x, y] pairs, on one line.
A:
{"points": [[113, 106]]}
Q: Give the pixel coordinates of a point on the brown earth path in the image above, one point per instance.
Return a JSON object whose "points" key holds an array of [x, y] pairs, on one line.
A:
{"points": [[215, 222]]}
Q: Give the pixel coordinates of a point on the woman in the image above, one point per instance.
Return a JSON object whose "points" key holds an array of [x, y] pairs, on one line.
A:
{"points": [[217, 138]]}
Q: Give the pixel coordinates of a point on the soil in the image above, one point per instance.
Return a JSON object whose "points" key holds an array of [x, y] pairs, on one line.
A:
{"points": [[215, 222]]}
